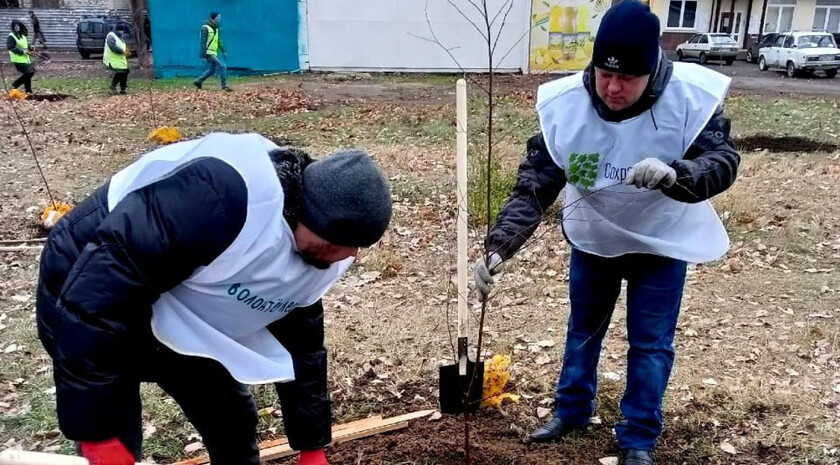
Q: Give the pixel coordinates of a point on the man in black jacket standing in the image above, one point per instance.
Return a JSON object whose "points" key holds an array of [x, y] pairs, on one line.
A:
{"points": [[201, 267], [640, 145]]}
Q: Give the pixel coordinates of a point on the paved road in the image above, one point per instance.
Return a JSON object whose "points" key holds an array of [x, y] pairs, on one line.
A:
{"points": [[747, 78]]}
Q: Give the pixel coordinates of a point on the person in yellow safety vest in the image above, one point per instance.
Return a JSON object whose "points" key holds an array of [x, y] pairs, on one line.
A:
{"points": [[210, 48], [19, 48], [115, 57]]}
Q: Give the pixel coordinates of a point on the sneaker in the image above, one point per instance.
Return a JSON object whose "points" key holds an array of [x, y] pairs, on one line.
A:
{"points": [[555, 430], [124, 91], [636, 457], [197, 85], [227, 89], [113, 89]]}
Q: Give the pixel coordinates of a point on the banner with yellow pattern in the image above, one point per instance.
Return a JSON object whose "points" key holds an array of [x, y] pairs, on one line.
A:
{"points": [[563, 32]]}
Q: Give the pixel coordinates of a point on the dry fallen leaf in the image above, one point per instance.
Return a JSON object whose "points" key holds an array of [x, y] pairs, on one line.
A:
{"points": [[546, 343], [608, 461], [436, 416], [193, 447], [543, 412], [710, 382], [728, 448], [543, 359]]}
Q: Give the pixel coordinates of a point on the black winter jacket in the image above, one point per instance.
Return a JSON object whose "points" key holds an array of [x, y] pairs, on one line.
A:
{"points": [[101, 271], [707, 169]]}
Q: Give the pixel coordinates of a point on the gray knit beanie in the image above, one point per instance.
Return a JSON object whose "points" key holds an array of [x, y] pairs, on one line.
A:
{"points": [[346, 199]]}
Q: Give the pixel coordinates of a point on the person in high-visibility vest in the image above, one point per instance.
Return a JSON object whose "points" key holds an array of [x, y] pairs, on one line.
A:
{"points": [[19, 48], [210, 48], [115, 57]]}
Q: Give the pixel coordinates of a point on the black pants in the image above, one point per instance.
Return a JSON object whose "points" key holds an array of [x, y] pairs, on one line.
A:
{"points": [[25, 79], [39, 35], [120, 78], [221, 409]]}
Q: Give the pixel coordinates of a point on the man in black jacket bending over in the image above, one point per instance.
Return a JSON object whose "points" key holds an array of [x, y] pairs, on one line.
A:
{"points": [[201, 267]]}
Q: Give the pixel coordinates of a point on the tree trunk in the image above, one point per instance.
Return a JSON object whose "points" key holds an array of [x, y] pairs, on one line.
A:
{"points": [[139, 8]]}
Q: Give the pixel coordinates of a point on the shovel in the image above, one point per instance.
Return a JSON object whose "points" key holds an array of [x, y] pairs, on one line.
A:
{"points": [[455, 380]]}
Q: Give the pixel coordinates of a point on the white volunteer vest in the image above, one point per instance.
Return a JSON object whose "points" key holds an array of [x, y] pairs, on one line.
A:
{"points": [[222, 310], [596, 154]]}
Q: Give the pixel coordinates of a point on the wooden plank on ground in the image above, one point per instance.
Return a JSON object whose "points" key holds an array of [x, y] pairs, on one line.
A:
{"points": [[279, 452], [372, 421], [279, 448]]}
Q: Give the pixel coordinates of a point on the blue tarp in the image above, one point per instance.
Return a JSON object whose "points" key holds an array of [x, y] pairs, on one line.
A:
{"points": [[260, 36]]}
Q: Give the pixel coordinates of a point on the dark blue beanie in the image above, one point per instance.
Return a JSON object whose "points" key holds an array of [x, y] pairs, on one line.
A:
{"points": [[628, 40]]}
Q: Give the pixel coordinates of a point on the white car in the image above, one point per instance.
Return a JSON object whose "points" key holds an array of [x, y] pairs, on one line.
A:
{"points": [[708, 46], [802, 53]]}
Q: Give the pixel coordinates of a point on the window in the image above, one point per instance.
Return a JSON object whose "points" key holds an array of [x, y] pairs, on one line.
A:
{"points": [[84, 27], [827, 16], [779, 16], [695, 39], [704, 39], [779, 42], [97, 28], [723, 40], [682, 14], [815, 41], [789, 42]]}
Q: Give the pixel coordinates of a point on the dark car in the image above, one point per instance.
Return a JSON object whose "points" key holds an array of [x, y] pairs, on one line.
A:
{"points": [[91, 32], [765, 41]]}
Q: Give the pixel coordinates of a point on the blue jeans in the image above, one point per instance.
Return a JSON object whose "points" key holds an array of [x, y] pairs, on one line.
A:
{"points": [[214, 63], [654, 291]]}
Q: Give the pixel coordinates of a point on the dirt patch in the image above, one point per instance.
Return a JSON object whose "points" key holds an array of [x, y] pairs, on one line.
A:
{"points": [[782, 144], [497, 439]]}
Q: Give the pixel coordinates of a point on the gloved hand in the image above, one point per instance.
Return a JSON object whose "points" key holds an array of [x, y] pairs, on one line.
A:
{"points": [[484, 274], [652, 173], [313, 457], [110, 452]]}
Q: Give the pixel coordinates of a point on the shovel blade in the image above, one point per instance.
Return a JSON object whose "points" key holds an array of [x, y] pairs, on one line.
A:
{"points": [[453, 388]]}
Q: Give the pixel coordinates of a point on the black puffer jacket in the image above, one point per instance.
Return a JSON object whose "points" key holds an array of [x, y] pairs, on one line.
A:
{"points": [[707, 169], [101, 271]]}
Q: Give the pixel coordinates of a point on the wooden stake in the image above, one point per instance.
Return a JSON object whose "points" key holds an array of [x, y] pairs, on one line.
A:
{"points": [[461, 182]]}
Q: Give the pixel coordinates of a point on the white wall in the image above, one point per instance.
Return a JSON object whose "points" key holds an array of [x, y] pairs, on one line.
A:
{"points": [[380, 35]]}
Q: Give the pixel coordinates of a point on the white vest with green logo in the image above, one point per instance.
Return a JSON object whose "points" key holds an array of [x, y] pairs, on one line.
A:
{"points": [[601, 215], [222, 310]]}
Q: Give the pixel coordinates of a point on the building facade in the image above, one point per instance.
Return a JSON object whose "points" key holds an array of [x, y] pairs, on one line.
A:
{"points": [[745, 20]]}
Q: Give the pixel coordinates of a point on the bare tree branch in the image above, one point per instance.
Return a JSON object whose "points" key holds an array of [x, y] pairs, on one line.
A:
{"points": [[451, 2], [501, 27]]}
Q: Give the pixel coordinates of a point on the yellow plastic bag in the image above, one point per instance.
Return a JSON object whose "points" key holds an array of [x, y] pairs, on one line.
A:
{"points": [[496, 377], [53, 213], [165, 135], [17, 94]]}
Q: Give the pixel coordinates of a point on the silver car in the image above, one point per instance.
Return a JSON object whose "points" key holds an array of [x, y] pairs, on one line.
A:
{"points": [[709, 46]]}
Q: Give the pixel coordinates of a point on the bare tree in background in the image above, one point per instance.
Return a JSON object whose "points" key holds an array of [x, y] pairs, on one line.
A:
{"points": [[139, 9]]}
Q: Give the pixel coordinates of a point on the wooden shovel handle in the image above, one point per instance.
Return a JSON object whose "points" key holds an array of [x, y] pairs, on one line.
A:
{"points": [[20, 457]]}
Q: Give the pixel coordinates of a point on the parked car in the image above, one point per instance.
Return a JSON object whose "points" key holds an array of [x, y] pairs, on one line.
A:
{"points": [[708, 46], [765, 41], [91, 32], [802, 53]]}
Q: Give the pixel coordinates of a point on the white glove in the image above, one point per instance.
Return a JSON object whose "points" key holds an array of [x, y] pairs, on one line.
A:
{"points": [[484, 274], [652, 173]]}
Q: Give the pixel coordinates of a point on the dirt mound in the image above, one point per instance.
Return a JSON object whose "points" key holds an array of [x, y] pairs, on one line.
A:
{"points": [[781, 144]]}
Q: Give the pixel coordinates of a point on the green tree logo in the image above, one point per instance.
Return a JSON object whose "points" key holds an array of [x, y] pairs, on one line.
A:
{"points": [[583, 169]]}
